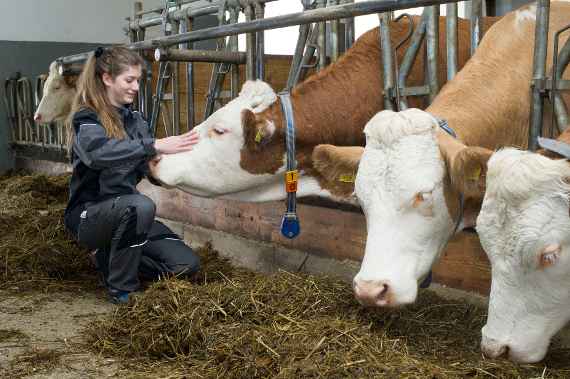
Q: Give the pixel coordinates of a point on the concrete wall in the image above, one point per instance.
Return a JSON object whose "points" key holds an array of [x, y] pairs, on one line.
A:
{"points": [[90, 21]]}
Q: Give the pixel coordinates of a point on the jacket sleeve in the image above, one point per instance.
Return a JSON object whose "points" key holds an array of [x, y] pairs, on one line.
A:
{"points": [[97, 151]]}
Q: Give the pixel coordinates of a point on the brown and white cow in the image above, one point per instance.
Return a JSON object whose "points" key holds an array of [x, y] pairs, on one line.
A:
{"points": [[412, 174], [57, 96], [241, 151], [524, 227]]}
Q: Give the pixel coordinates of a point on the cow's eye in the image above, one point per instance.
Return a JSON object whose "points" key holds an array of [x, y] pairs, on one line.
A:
{"points": [[219, 131]]}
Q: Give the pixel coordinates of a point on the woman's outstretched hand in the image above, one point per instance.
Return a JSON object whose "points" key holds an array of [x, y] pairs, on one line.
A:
{"points": [[176, 144]]}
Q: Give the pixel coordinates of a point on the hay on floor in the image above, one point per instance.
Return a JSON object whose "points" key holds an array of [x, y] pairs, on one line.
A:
{"points": [[248, 325], [35, 249]]}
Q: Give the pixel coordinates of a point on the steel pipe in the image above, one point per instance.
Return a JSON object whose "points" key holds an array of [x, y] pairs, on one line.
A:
{"points": [[538, 71], [299, 18], [451, 39], [185, 55], [559, 65], [387, 60], [432, 49]]}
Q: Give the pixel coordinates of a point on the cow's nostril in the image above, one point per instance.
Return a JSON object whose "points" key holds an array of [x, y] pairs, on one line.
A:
{"points": [[383, 291], [37, 117]]}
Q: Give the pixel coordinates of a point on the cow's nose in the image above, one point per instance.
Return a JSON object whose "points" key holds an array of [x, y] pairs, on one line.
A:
{"points": [[37, 117], [493, 348], [373, 292]]}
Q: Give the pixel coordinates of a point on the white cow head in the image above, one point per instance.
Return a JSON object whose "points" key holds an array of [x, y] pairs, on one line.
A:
{"points": [[410, 203], [57, 96], [214, 167], [524, 227]]}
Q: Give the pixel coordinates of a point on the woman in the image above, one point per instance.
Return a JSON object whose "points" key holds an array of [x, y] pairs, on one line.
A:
{"points": [[111, 149]]}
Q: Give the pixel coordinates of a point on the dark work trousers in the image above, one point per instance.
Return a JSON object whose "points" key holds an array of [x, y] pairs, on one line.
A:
{"points": [[130, 241]]}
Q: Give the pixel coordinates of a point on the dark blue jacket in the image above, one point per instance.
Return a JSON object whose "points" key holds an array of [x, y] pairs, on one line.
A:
{"points": [[106, 167]]}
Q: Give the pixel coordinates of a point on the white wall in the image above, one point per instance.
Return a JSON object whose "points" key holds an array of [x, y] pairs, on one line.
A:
{"points": [[102, 21], [94, 21]]}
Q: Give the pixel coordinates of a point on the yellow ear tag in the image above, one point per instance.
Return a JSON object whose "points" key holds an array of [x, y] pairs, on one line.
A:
{"points": [[291, 180], [475, 174], [347, 178], [258, 136]]}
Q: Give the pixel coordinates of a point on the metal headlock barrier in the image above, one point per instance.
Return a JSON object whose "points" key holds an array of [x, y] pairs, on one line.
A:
{"points": [[547, 87], [313, 51]]}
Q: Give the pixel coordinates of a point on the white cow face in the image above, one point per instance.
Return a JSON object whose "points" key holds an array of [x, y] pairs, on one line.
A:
{"points": [[213, 167], [400, 186], [57, 97], [524, 227]]}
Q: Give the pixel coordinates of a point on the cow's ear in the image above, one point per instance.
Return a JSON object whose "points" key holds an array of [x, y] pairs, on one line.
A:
{"points": [[337, 164], [257, 130], [468, 171]]}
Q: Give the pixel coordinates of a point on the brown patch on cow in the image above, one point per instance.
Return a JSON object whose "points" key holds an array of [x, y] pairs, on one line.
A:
{"points": [[263, 150]]}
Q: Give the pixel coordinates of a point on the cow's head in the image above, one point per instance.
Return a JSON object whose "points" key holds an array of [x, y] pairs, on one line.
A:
{"points": [[524, 227], [411, 202], [58, 93], [231, 158]]}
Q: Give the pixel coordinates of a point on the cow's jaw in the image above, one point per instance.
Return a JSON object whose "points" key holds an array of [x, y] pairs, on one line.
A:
{"points": [[524, 214], [400, 188]]}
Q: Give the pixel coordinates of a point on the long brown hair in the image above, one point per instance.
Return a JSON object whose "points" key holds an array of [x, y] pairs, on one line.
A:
{"points": [[92, 93]]}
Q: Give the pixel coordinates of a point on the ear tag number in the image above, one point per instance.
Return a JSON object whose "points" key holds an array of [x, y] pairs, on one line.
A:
{"points": [[347, 178], [258, 136], [291, 180]]}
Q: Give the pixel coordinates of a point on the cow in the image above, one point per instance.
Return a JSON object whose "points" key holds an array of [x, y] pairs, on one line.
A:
{"points": [[524, 227], [241, 151], [416, 183], [57, 97]]}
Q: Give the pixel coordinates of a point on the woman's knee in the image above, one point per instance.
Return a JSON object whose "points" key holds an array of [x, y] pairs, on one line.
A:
{"points": [[144, 206]]}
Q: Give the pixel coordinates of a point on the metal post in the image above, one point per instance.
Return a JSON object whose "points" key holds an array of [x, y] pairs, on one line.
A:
{"points": [[260, 42], [218, 71], [432, 42], [322, 38], [387, 59], [334, 34], [451, 39], [250, 46], [411, 54], [310, 51], [175, 87], [348, 28], [190, 112], [538, 71], [475, 26], [559, 65], [299, 48], [234, 48]]}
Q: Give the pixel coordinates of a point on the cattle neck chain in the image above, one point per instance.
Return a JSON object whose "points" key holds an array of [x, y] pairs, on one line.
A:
{"points": [[290, 222]]}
